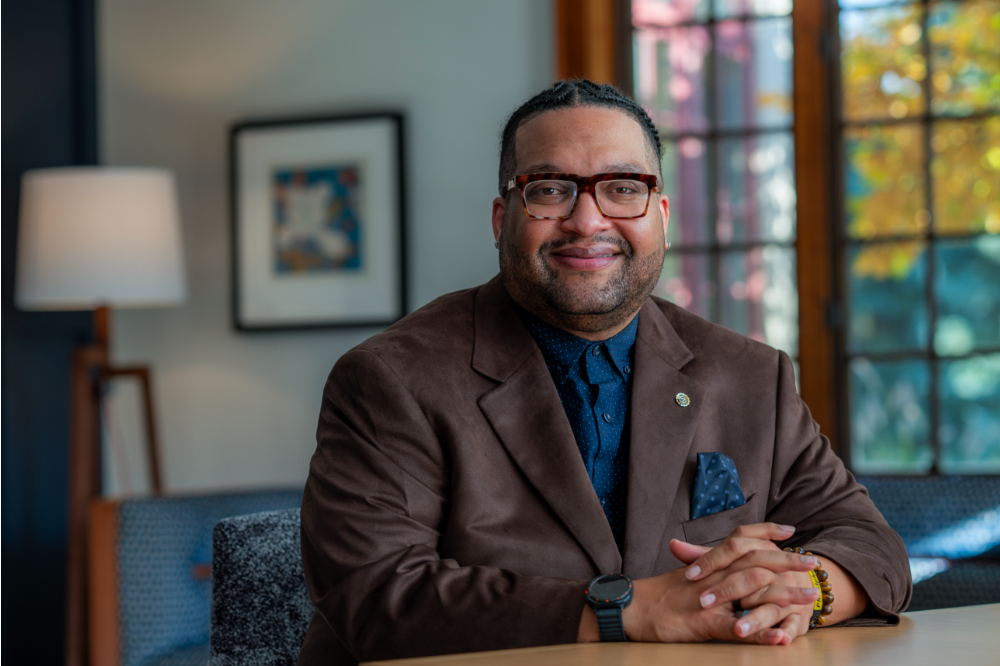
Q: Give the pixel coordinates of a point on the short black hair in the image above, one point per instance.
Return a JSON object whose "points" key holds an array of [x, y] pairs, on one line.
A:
{"points": [[568, 94]]}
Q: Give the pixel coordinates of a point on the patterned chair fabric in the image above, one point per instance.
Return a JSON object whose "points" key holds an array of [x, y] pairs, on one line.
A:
{"points": [[964, 583], [951, 528], [260, 606], [163, 553], [943, 516]]}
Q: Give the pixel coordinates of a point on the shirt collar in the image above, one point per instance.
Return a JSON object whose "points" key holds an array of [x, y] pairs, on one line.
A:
{"points": [[620, 346], [562, 350]]}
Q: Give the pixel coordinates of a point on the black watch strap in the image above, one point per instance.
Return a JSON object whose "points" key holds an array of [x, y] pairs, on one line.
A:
{"points": [[609, 623]]}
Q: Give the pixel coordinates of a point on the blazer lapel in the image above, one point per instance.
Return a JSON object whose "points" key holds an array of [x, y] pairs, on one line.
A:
{"points": [[528, 417], [660, 436]]}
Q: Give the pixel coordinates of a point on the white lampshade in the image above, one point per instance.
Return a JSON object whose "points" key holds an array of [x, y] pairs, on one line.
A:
{"points": [[92, 236]]}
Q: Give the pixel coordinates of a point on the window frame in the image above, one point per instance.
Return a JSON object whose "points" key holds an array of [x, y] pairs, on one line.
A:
{"points": [[577, 23], [594, 41], [818, 206], [821, 243]]}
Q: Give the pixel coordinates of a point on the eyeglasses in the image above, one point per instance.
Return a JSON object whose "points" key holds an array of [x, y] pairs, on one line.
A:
{"points": [[553, 196]]}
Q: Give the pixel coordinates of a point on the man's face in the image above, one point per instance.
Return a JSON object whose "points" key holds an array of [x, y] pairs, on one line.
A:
{"points": [[586, 273]]}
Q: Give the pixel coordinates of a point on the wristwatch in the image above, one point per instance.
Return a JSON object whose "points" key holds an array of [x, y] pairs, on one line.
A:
{"points": [[608, 595]]}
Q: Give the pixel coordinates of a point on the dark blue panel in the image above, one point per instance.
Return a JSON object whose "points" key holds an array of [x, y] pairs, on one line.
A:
{"points": [[49, 119]]}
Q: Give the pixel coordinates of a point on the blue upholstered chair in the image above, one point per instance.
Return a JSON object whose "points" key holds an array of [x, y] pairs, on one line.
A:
{"points": [[150, 575], [951, 528], [260, 606]]}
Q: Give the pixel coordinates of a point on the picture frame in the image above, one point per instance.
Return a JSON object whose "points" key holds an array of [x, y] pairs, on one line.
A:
{"points": [[318, 222]]}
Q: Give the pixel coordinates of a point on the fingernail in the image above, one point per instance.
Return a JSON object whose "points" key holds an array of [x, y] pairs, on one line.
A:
{"points": [[809, 559], [775, 633], [693, 572], [743, 628], [810, 591], [786, 528], [707, 600]]}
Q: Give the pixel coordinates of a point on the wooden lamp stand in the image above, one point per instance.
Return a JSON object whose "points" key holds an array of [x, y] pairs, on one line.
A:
{"points": [[91, 370]]}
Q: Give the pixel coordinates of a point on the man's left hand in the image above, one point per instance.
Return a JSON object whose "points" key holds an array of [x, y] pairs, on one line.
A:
{"points": [[753, 565]]}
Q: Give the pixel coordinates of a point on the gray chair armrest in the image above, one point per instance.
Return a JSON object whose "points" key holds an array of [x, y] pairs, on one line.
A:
{"points": [[260, 605]]}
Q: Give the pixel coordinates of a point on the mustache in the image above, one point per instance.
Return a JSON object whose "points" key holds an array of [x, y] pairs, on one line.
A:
{"points": [[559, 243]]}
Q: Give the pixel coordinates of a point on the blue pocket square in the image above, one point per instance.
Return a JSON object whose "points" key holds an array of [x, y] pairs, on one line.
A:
{"points": [[716, 486]]}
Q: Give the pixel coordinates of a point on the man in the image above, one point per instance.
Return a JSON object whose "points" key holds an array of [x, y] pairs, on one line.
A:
{"points": [[483, 460]]}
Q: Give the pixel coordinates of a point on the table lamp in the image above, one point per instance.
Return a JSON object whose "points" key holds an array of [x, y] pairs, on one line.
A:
{"points": [[92, 238]]}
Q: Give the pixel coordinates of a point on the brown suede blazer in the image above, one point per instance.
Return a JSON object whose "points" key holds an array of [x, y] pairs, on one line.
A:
{"points": [[448, 509]]}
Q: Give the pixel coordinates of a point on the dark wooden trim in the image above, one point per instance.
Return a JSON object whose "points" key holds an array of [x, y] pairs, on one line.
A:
{"points": [[593, 41], [91, 369], [623, 50], [84, 486], [102, 582], [814, 164]]}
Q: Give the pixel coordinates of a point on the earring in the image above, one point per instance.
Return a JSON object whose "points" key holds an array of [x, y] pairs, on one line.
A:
{"points": [[668, 245], [496, 244]]}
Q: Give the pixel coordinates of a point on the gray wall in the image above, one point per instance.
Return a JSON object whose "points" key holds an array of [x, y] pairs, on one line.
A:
{"points": [[237, 409]]}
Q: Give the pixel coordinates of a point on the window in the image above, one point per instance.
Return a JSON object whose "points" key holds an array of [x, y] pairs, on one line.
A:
{"points": [[716, 77], [898, 238], [919, 234]]}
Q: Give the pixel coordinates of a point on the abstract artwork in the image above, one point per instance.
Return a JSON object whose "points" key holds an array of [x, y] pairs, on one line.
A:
{"points": [[318, 230], [317, 219]]}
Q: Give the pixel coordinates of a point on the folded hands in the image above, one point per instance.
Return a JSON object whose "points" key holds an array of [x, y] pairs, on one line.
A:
{"points": [[696, 602]]}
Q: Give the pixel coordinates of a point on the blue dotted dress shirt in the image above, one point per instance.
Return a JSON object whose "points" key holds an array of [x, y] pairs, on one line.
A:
{"points": [[593, 380]]}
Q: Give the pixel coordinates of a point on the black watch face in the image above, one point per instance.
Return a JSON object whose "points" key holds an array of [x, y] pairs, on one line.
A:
{"points": [[611, 588]]}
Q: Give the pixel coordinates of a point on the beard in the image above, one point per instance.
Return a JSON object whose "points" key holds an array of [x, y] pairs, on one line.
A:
{"points": [[587, 303]]}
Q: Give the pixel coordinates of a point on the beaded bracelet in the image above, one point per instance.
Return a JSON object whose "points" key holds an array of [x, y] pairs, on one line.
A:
{"points": [[823, 606]]}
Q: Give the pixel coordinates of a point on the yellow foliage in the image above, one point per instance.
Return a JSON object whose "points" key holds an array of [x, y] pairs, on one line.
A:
{"points": [[885, 75], [884, 261]]}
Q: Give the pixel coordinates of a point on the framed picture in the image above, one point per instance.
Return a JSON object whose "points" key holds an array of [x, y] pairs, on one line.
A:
{"points": [[318, 236]]}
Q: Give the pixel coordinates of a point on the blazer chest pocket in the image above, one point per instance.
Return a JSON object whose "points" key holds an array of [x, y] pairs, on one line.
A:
{"points": [[710, 530]]}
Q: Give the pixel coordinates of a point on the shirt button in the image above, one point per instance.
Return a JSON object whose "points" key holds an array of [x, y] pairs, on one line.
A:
{"points": [[627, 369], [595, 350], [607, 417]]}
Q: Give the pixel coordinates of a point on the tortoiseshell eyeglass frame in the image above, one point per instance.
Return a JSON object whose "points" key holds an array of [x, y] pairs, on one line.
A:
{"points": [[584, 184]]}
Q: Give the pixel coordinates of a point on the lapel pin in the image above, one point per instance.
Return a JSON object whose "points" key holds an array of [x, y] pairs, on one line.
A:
{"points": [[682, 399]]}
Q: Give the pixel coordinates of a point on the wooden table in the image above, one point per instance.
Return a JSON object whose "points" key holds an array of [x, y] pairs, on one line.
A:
{"points": [[969, 635]]}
